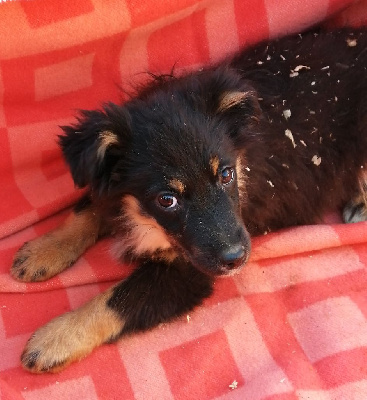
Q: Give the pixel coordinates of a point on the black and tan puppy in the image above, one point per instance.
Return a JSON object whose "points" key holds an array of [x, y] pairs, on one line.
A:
{"points": [[184, 174]]}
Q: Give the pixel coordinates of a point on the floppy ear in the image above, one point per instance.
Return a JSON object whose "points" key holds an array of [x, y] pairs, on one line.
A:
{"points": [[241, 109], [94, 144]]}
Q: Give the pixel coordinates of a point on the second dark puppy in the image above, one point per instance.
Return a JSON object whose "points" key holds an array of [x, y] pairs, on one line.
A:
{"points": [[187, 171]]}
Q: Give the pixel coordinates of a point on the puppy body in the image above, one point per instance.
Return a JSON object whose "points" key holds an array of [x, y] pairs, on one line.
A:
{"points": [[192, 167], [313, 132]]}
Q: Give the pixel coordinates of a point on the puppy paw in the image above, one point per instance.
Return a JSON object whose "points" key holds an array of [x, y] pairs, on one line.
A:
{"points": [[37, 362], [40, 259], [72, 336], [52, 347], [355, 212]]}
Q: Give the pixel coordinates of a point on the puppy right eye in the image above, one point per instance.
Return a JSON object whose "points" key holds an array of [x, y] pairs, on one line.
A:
{"points": [[167, 200]]}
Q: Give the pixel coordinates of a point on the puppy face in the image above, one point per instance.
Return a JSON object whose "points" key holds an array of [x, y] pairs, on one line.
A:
{"points": [[174, 157], [190, 202]]}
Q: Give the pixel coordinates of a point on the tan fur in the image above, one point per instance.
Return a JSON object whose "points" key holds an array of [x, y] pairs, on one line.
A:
{"points": [[177, 185], [230, 99], [241, 177], [214, 165], [167, 255], [48, 255], [72, 336], [145, 234], [107, 139]]}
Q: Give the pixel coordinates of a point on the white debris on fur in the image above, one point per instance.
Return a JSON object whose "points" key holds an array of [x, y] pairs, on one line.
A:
{"points": [[316, 160], [295, 71], [289, 135], [270, 183], [352, 42], [287, 114]]}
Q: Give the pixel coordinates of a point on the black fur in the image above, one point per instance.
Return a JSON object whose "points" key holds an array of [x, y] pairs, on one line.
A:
{"points": [[84, 203], [288, 116], [82, 141], [157, 291]]}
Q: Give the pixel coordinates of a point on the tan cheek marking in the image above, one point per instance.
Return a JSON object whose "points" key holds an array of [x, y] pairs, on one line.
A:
{"points": [[168, 255], [46, 256], [73, 335], [107, 139], [214, 164], [177, 185], [145, 234]]}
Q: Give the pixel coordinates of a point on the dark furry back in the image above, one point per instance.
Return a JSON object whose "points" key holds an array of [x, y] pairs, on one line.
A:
{"points": [[312, 88], [300, 129]]}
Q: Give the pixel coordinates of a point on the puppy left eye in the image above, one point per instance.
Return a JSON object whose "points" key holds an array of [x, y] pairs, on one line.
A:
{"points": [[227, 176], [167, 200]]}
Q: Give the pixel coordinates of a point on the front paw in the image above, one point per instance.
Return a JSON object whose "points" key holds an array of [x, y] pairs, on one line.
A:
{"points": [[40, 259], [72, 336], [37, 362], [26, 266], [51, 348]]}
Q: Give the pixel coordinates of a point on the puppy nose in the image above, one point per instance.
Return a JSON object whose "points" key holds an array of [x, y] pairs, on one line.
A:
{"points": [[233, 256]]}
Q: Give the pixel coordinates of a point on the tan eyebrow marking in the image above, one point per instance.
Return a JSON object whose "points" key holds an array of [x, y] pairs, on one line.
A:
{"points": [[231, 99], [214, 164], [107, 139], [177, 185]]}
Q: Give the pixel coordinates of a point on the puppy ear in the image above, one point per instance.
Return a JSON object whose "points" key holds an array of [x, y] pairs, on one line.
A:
{"points": [[94, 144], [241, 110]]}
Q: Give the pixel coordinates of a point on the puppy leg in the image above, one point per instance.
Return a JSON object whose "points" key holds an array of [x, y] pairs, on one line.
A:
{"points": [[72, 336], [156, 292], [48, 255], [356, 209]]}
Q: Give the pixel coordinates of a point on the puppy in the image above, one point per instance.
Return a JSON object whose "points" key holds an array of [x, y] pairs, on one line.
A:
{"points": [[185, 173]]}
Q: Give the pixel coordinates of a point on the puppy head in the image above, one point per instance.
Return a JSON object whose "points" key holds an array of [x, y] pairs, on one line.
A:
{"points": [[175, 156]]}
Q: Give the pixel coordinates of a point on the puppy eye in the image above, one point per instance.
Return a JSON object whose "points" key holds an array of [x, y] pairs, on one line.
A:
{"points": [[227, 175], [167, 200]]}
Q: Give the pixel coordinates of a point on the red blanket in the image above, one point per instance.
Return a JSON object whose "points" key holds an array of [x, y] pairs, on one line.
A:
{"points": [[292, 325]]}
